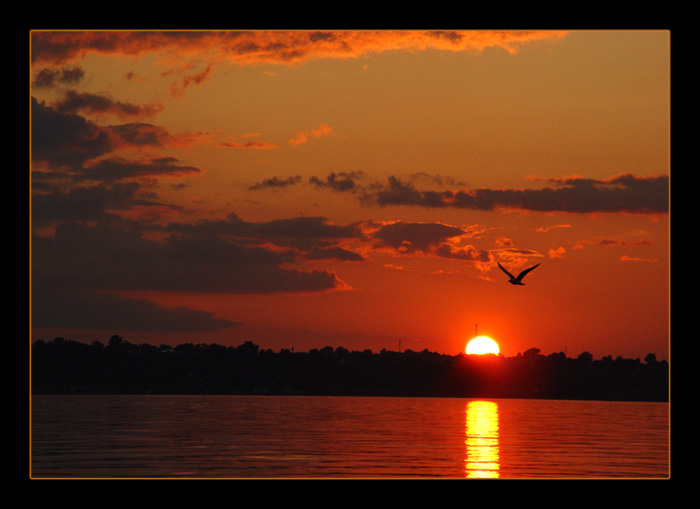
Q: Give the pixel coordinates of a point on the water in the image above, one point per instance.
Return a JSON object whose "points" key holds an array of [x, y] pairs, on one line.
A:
{"points": [[322, 437]]}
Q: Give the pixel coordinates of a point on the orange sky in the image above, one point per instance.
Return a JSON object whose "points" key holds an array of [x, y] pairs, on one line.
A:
{"points": [[310, 189]]}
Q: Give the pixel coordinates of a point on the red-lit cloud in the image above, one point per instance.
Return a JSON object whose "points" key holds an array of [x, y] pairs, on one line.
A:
{"points": [[190, 55], [625, 258], [303, 136], [249, 47]]}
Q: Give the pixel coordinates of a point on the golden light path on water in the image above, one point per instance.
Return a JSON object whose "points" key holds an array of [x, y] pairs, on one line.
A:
{"points": [[482, 440]]}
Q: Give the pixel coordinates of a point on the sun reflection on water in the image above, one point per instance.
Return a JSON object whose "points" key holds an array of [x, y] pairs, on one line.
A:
{"points": [[482, 440]]}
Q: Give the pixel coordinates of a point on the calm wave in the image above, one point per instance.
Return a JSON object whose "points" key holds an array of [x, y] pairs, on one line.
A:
{"points": [[302, 437]]}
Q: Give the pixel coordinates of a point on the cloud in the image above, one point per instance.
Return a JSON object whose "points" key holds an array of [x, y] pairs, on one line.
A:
{"points": [[75, 102], [117, 256], [303, 136], [78, 175], [50, 78], [276, 182], [177, 90], [623, 243], [333, 253], [504, 242], [624, 193], [434, 239], [545, 229], [411, 237], [117, 168], [277, 46], [91, 203], [192, 55], [137, 134], [91, 196], [626, 258], [70, 308], [65, 141], [299, 233], [439, 180], [559, 252], [607, 242], [400, 193], [247, 145], [516, 257], [341, 181]]}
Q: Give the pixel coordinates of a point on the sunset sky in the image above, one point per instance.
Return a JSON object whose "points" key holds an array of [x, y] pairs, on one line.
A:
{"points": [[315, 188]]}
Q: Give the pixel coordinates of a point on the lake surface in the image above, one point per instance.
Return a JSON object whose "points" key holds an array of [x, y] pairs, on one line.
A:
{"points": [[348, 437]]}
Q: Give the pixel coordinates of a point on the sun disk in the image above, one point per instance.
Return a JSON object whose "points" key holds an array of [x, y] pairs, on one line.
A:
{"points": [[481, 345]]}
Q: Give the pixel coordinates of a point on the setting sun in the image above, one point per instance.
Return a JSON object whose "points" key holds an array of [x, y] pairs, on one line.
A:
{"points": [[481, 345]]}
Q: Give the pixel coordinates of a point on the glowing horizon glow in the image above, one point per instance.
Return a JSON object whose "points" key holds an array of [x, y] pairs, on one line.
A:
{"points": [[482, 345]]}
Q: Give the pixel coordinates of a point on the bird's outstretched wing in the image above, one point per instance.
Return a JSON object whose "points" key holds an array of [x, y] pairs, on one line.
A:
{"points": [[504, 270], [522, 274]]}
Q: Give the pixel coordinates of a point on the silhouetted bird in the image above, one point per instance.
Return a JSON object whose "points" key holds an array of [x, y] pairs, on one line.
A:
{"points": [[517, 280]]}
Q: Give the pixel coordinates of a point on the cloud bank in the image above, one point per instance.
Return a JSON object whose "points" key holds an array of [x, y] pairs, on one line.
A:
{"points": [[275, 46], [620, 194]]}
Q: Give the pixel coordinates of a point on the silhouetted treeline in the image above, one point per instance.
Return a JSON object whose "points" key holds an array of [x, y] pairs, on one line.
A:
{"points": [[69, 367]]}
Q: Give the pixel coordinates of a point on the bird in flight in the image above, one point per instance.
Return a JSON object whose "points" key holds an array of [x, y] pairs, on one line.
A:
{"points": [[517, 280]]}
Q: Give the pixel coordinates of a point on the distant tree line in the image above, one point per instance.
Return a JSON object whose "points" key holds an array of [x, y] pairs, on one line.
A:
{"points": [[64, 366]]}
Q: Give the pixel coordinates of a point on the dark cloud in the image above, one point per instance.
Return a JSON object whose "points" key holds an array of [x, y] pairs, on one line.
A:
{"points": [[276, 182], [248, 145], [411, 237], [300, 234], [60, 46], [49, 78], [435, 239], [84, 203], [75, 102], [66, 146], [70, 308], [333, 253], [302, 229], [439, 180], [82, 188], [65, 140], [624, 193], [76, 272], [466, 253], [117, 168], [138, 134], [342, 181], [119, 257], [623, 243], [397, 192]]}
